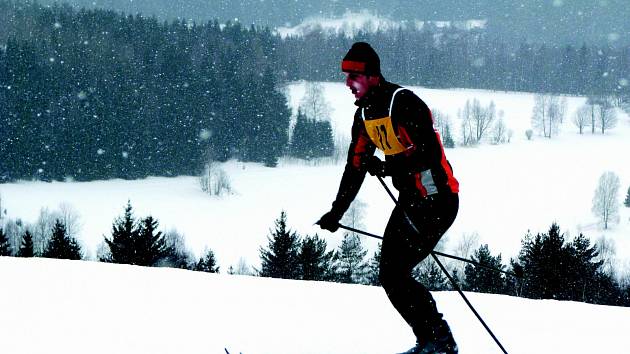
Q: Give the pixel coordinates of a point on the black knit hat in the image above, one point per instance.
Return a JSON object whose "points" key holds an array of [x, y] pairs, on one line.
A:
{"points": [[361, 59]]}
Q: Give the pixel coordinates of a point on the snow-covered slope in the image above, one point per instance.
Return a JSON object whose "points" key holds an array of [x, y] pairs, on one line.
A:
{"points": [[74, 307]]}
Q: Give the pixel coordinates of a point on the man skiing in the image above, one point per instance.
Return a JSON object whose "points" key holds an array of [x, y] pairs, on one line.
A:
{"points": [[399, 123]]}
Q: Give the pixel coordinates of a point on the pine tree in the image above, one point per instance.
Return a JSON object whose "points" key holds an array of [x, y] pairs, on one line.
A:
{"points": [[315, 261], [481, 279], [430, 275], [374, 268], [207, 263], [276, 116], [281, 257], [627, 201], [513, 285], [448, 140], [324, 144], [298, 146], [121, 245], [5, 247], [553, 269], [350, 263], [149, 245], [311, 138], [61, 245], [541, 258], [140, 244], [26, 248], [582, 269]]}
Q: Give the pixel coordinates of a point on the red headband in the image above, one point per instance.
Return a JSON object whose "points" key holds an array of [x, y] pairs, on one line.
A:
{"points": [[355, 66]]}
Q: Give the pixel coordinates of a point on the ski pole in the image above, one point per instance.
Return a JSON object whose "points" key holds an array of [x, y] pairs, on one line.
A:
{"points": [[496, 340], [436, 252]]}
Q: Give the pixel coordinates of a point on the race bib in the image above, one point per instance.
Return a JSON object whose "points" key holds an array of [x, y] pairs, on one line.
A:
{"points": [[381, 131]]}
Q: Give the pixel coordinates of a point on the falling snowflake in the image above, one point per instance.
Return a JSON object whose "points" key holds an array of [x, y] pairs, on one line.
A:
{"points": [[100, 151], [613, 37], [205, 134], [479, 62]]}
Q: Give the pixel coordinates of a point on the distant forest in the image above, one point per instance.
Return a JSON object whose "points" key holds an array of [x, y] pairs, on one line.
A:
{"points": [[555, 22], [95, 94]]}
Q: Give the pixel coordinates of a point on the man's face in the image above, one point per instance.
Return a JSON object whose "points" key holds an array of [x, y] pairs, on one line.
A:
{"points": [[360, 84]]}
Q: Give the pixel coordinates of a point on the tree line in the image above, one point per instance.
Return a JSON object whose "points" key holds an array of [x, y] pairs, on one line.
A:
{"points": [[449, 57], [548, 266], [94, 94], [135, 241]]}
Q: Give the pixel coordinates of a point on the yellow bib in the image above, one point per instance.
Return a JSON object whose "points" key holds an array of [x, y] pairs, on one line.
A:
{"points": [[381, 131]]}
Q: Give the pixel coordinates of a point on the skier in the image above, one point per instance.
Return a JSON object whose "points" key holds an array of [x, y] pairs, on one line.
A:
{"points": [[396, 121]]}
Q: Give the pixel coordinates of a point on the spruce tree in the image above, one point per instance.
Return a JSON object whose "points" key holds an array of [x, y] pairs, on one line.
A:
{"points": [[448, 140], [207, 263], [430, 275], [311, 138], [121, 244], [299, 139], [582, 270], [26, 248], [350, 264], [315, 261], [149, 244], [5, 247], [541, 258], [481, 279], [273, 132], [281, 257], [554, 269], [626, 202], [138, 244], [61, 245], [324, 142], [513, 285], [374, 265]]}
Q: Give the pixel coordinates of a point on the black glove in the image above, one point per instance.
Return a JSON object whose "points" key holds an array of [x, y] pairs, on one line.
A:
{"points": [[329, 221], [376, 167]]}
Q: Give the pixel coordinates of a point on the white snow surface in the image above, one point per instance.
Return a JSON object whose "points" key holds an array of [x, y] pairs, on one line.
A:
{"points": [[60, 306], [52, 306]]}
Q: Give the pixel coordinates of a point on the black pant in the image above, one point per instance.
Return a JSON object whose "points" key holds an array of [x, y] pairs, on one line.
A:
{"points": [[403, 248]]}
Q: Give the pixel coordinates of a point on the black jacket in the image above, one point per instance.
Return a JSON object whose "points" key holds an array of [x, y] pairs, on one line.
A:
{"points": [[403, 129]]}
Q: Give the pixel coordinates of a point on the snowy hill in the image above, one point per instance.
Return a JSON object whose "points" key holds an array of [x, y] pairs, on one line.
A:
{"points": [[55, 306]]}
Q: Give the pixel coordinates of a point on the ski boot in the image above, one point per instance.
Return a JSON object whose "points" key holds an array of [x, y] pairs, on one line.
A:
{"points": [[441, 342]]}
